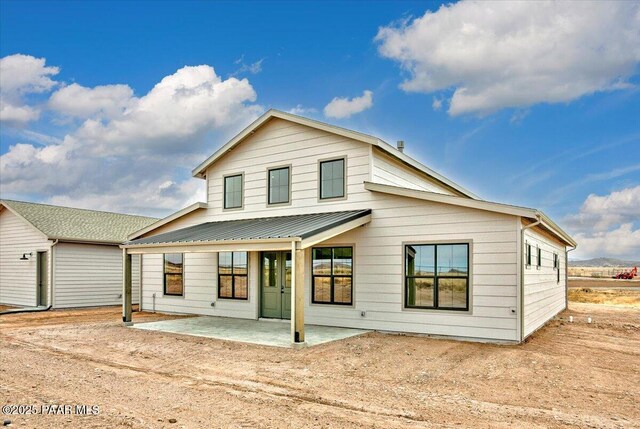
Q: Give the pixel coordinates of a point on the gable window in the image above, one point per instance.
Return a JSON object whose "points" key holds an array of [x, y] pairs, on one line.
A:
{"points": [[332, 275], [279, 185], [173, 274], [538, 257], [232, 275], [528, 254], [332, 179], [437, 276], [233, 192]]}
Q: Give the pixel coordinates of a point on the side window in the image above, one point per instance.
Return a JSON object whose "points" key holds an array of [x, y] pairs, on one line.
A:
{"points": [[332, 179], [173, 274], [538, 257], [527, 249], [332, 275], [233, 192]]}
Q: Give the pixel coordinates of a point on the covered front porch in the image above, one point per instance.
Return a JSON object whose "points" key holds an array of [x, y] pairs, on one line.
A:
{"points": [[286, 240], [263, 332]]}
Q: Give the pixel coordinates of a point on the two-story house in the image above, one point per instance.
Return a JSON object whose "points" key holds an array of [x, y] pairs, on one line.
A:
{"points": [[326, 226]]}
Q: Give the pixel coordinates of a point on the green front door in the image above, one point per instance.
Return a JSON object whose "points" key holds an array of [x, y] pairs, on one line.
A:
{"points": [[276, 285]]}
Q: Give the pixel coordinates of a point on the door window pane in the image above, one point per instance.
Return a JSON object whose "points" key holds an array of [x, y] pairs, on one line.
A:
{"points": [[269, 269], [332, 179]]}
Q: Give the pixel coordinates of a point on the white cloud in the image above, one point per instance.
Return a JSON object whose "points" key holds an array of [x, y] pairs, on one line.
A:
{"points": [[21, 75], [344, 107], [108, 101], [302, 111], [516, 54], [253, 68], [437, 103], [622, 242], [131, 153], [604, 226]]}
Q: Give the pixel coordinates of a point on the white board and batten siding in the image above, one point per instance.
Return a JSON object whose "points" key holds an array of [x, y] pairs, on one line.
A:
{"points": [[18, 278], [544, 296], [90, 275]]}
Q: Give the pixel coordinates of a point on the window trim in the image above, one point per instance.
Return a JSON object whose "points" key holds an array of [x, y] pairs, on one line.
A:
{"points": [[233, 278], [313, 276], [269, 170], [224, 191], [344, 184], [468, 277], [164, 276]]}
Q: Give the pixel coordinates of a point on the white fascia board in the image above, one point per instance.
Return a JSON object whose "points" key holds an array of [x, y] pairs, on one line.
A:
{"points": [[166, 220]]}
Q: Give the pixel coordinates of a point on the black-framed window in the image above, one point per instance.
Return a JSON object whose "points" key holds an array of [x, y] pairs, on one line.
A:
{"points": [[437, 276], [279, 185], [232, 275], [332, 275], [538, 257], [527, 249], [555, 261], [332, 179], [233, 191], [173, 274]]}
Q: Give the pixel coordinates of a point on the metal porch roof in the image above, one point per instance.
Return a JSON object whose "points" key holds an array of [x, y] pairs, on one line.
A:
{"points": [[279, 227]]}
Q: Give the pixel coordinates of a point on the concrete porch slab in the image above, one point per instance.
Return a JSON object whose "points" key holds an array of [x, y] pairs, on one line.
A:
{"points": [[267, 333]]}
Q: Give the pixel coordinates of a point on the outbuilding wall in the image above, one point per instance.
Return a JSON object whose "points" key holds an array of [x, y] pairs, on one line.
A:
{"points": [[18, 278]]}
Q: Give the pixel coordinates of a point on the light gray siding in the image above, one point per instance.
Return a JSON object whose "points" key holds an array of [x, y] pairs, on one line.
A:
{"points": [[18, 278], [544, 296], [390, 171], [88, 275]]}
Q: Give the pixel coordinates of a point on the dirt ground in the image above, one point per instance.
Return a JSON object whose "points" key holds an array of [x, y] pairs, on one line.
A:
{"points": [[576, 282], [628, 298], [565, 375]]}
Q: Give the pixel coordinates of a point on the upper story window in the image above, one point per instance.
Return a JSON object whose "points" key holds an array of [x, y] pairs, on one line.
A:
{"points": [[173, 274], [279, 185], [233, 191], [437, 276], [332, 179]]}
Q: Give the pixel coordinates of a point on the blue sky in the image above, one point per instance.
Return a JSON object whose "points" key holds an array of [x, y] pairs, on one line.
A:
{"points": [[534, 118]]}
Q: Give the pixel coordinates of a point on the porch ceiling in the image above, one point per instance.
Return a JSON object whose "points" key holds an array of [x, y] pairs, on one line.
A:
{"points": [[308, 228]]}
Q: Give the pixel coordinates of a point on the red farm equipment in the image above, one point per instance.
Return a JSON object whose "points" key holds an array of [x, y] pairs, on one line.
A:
{"points": [[627, 275]]}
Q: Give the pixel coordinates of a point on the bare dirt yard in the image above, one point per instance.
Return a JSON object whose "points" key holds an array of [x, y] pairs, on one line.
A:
{"points": [[566, 375]]}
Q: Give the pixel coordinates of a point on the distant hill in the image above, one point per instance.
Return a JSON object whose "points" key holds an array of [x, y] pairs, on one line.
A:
{"points": [[604, 262]]}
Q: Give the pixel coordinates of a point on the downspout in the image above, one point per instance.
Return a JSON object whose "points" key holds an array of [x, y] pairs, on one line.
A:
{"points": [[522, 267], [566, 276], [39, 309]]}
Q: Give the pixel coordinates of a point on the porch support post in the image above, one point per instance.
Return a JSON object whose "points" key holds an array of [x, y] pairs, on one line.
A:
{"points": [[297, 296], [126, 287]]}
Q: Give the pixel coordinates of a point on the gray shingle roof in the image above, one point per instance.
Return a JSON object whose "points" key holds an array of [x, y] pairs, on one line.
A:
{"points": [[78, 224], [296, 226]]}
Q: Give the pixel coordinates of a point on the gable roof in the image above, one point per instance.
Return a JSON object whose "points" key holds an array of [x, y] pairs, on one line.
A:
{"points": [[79, 225], [525, 212], [165, 220], [365, 138]]}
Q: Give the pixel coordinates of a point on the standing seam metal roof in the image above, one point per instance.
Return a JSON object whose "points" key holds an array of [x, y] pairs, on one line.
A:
{"points": [[295, 226]]}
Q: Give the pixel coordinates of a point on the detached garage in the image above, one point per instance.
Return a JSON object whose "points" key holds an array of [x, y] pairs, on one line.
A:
{"points": [[63, 257]]}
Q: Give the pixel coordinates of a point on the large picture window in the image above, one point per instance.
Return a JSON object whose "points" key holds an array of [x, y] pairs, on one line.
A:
{"points": [[437, 276], [279, 185], [332, 276], [232, 275], [173, 274], [332, 181], [233, 192]]}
